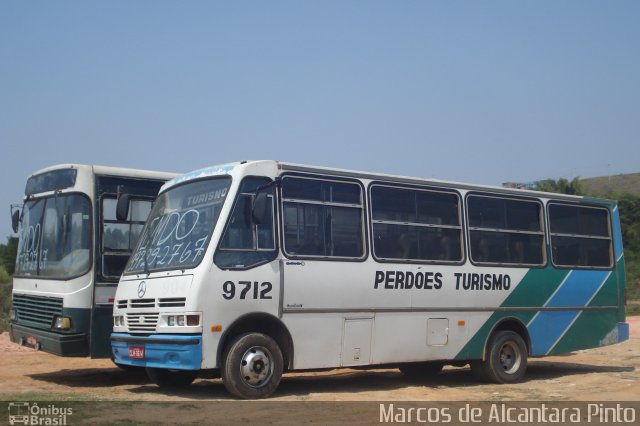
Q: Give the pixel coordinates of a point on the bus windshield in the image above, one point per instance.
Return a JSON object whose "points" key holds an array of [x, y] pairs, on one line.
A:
{"points": [[55, 239], [179, 227]]}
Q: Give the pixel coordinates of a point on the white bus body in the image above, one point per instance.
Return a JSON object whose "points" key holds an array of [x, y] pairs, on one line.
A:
{"points": [[71, 254], [259, 267]]}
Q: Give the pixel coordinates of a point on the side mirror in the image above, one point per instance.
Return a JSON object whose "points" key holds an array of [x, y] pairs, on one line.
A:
{"points": [[259, 207], [122, 208], [15, 220]]}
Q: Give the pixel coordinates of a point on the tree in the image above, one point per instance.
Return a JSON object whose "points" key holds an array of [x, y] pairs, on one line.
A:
{"points": [[562, 186], [8, 254], [629, 207]]}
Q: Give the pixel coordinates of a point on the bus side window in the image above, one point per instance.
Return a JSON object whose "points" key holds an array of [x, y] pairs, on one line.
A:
{"points": [[245, 244], [322, 218], [415, 224], [580, 236], [505, 230]]}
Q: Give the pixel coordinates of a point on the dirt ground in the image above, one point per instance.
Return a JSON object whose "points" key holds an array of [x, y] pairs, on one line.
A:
{"points": [[607, 374]]}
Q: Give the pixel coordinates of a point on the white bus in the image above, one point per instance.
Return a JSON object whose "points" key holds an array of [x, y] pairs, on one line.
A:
{"points": [[71, 253], [260, 267]]}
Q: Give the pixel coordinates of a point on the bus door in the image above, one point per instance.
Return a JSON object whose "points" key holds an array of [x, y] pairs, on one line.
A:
{"points": [[114, 242], [247, 254]]}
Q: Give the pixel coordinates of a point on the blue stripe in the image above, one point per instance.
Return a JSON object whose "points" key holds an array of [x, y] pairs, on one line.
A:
{"points": [[578, 288], [547, 327], [617, 233]]}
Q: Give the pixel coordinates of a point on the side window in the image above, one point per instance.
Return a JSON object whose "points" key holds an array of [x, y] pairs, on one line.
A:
{"points": [[119, 238], [244, 242], [419, 225], [505, 231], [580, 236], [322, 218]]}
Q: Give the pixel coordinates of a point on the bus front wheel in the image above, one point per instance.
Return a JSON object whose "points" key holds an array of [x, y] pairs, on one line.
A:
{"points": [[252, 366], [506, 360], [166, 378]]}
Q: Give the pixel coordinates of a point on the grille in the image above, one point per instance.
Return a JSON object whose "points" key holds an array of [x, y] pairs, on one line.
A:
{"points": [[142, 322], [142, 303], [167, 302], [37, 310], [172, 302]]}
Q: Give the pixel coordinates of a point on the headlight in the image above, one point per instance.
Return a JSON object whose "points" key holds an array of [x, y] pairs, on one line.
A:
{"points": [[182, 320], [12, 315], [118, 321], [193, 320], [62, 323]]}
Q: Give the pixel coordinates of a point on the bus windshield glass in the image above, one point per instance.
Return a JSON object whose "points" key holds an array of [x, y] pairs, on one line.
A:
{"points": [[55, 239], [179, 227]]}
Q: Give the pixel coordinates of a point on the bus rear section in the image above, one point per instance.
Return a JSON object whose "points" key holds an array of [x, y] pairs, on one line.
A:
{"points": [[256, 268], [71, 252]]}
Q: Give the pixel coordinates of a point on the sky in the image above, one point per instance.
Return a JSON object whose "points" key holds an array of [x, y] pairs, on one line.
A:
{"points": [[480, 92]]}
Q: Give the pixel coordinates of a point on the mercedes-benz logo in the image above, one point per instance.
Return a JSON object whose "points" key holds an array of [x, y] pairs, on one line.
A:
{"points": [[142, 289]]}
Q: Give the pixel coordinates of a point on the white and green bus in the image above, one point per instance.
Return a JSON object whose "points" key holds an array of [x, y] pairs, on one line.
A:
{"points": [[260, 267], [71, 252]]}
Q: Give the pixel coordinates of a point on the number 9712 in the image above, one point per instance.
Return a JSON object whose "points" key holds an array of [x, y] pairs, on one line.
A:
{"points": [[247, 290]]}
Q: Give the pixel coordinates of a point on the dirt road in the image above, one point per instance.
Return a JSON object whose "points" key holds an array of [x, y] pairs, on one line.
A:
{"points": [[610, 373]]}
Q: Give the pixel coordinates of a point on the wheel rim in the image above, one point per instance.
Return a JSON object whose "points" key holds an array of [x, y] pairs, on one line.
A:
{"points": [[509, 358], [256, 366]]}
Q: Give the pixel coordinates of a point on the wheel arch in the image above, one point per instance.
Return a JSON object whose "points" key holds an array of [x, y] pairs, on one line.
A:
{"points": [[259, 322], [509, 324]]}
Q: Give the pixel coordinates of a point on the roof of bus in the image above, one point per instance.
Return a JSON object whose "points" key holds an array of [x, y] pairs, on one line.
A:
{"points": [[293, 167], [111, 171]]}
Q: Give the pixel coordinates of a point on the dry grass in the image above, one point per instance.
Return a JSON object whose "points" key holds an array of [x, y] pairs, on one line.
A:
{"points": [[614, 184]]}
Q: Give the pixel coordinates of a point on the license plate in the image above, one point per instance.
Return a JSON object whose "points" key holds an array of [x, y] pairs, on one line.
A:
{"points": [[136, 352], [31, 341]]}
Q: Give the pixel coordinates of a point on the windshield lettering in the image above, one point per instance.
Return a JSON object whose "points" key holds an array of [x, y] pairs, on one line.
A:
{"points": [[28, 257], [207, 197], [179, 226], [55, 237]]}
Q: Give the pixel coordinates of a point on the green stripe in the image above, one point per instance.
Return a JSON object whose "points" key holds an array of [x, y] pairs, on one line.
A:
{"points": [[608, 294], [534, 290], [592, 327], [536, 287], [588, 331]]}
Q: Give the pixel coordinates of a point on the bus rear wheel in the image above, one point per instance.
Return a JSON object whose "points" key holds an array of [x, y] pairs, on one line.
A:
{"points": [[421, 370], [166, 378], [252, 366], [506, 360]]}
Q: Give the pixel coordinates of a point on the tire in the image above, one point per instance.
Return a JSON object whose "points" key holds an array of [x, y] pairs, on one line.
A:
{"points": [[166, 378], [421, 370], [252, 366], [506, 360]]}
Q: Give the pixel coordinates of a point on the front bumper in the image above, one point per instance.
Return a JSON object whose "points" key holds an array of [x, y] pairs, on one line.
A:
{"points": [[75, 344], [174, 351]]}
